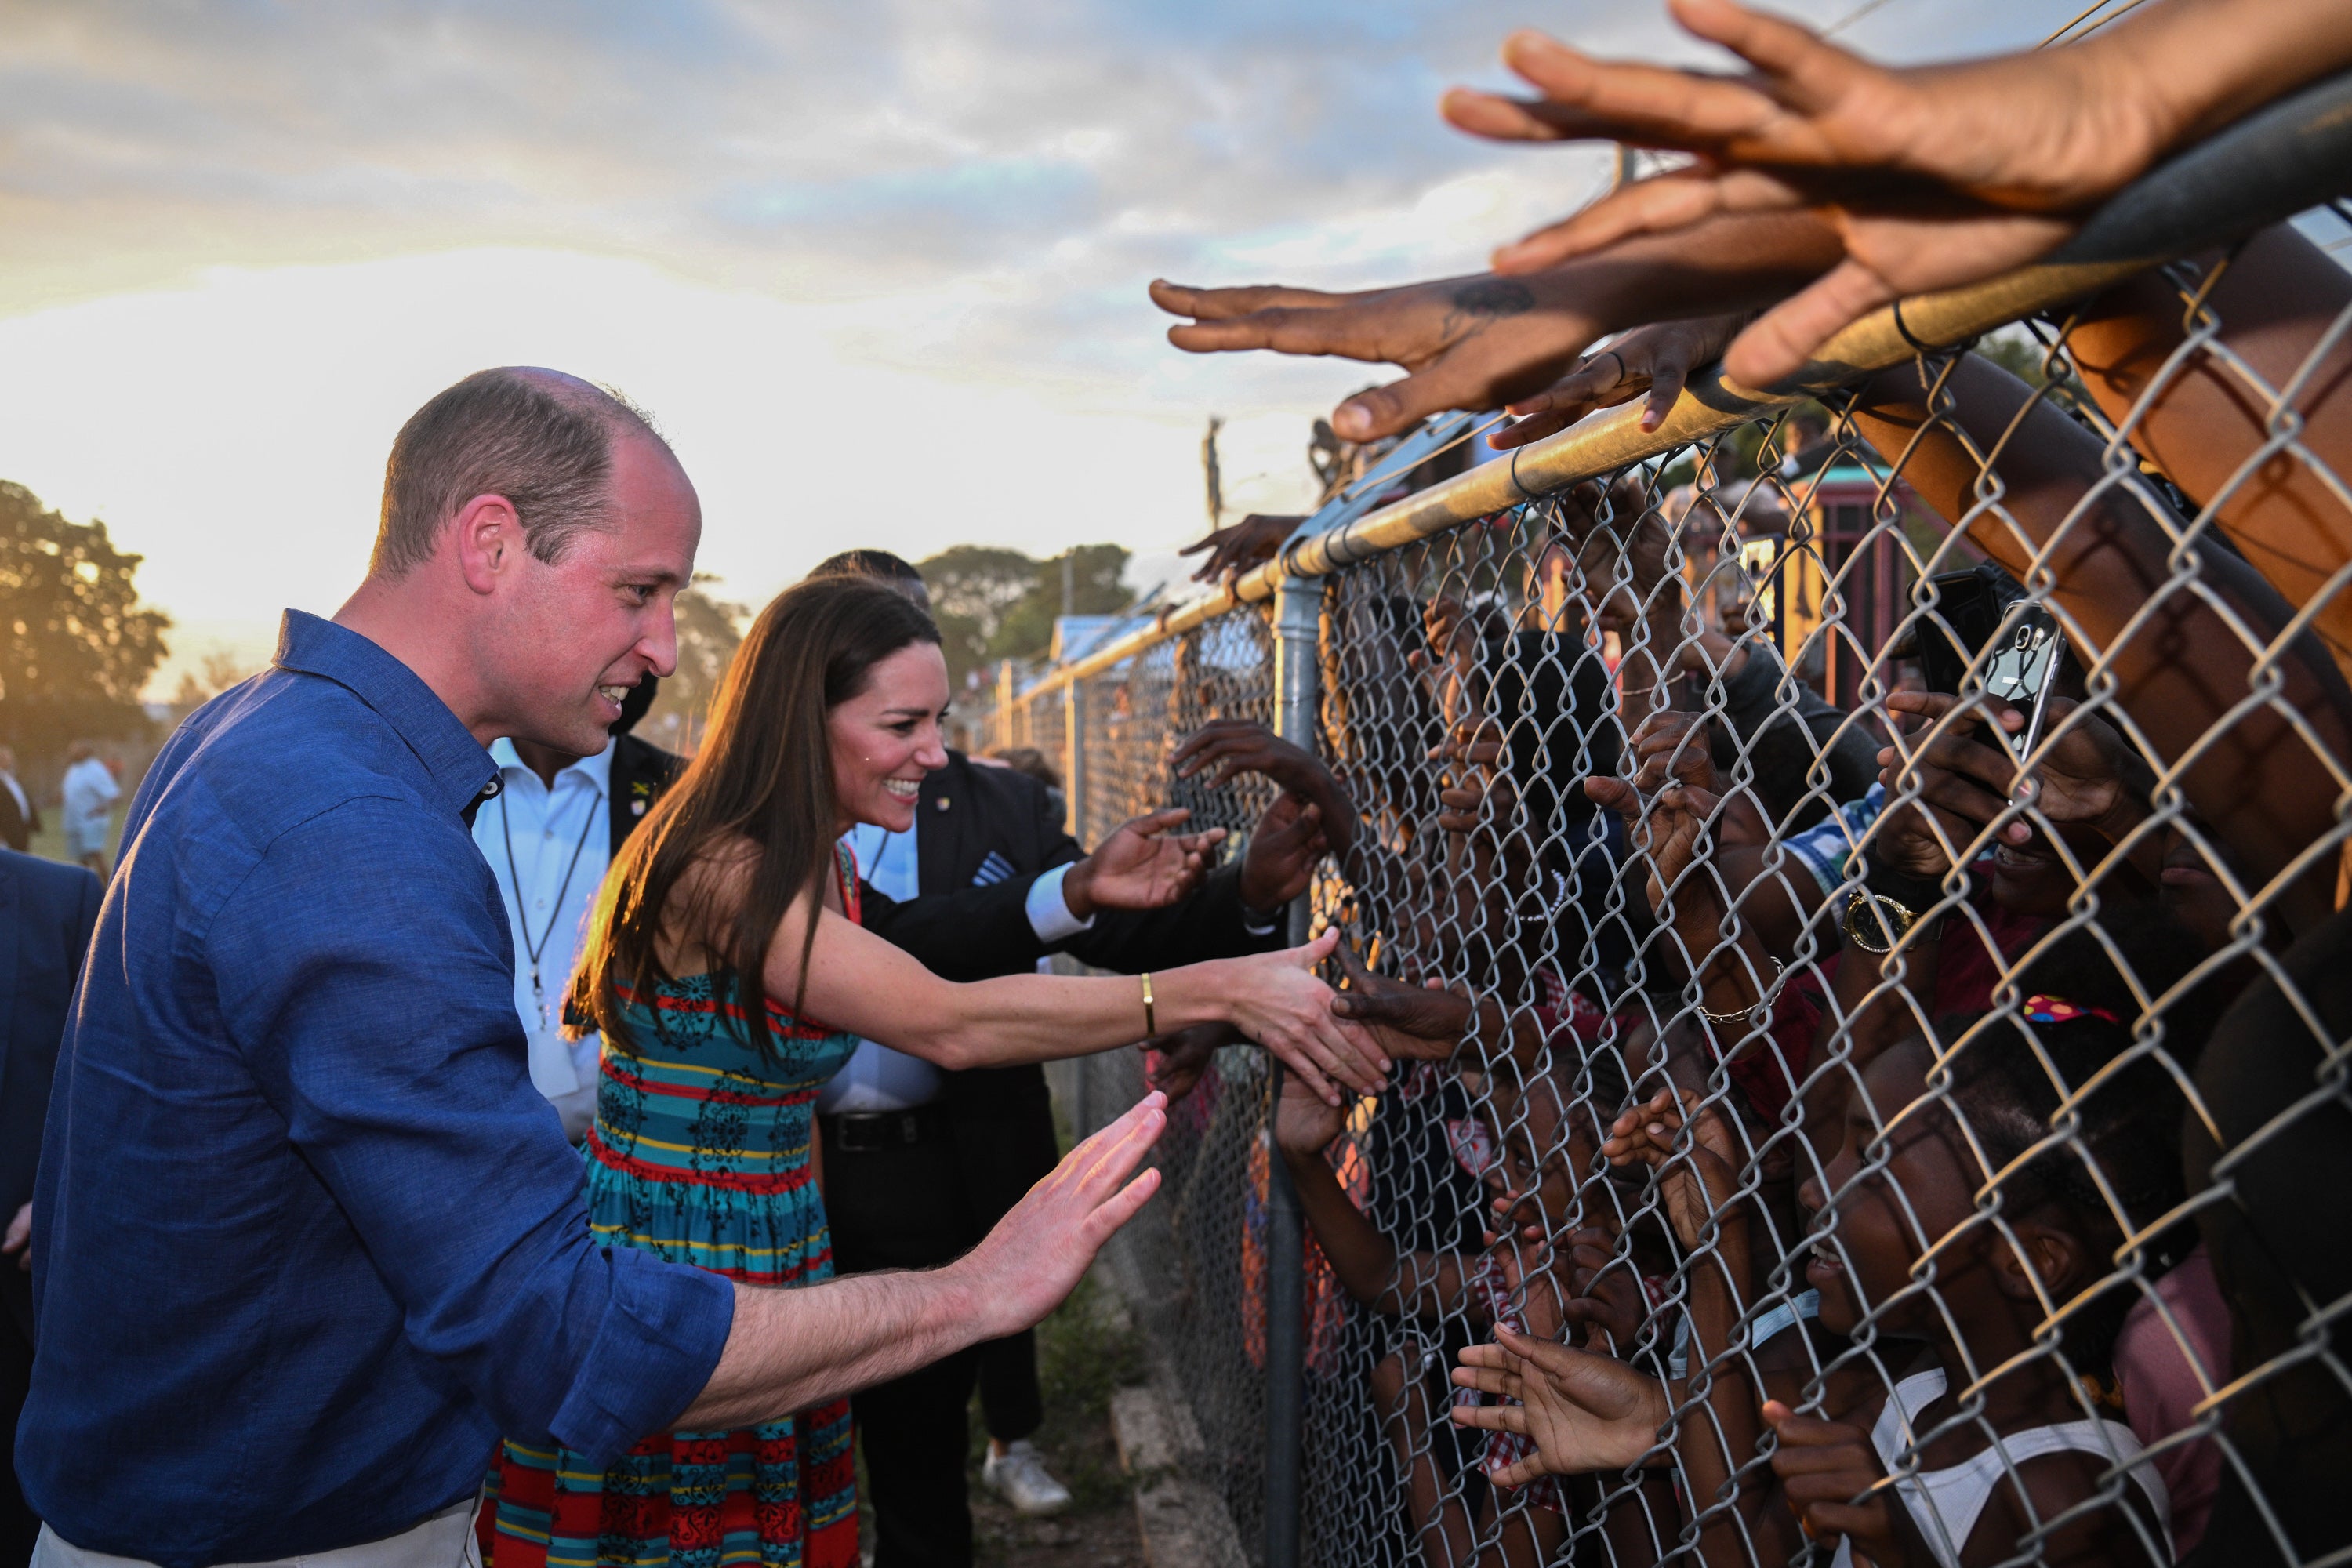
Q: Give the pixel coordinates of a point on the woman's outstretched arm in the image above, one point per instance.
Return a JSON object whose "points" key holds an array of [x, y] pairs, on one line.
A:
{"points": [[859, 983]]}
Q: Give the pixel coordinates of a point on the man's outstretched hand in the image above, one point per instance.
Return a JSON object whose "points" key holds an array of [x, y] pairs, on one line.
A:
{"points": [[1283, 852], [1143, 865], [1023, 1268]]}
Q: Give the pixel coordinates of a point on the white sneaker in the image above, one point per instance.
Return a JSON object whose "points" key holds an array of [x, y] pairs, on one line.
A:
{"points": [[1022, 1476]]}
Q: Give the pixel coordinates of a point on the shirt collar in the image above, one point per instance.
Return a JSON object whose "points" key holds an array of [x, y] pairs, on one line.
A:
{"points": [[454, 760], [597, 770]]}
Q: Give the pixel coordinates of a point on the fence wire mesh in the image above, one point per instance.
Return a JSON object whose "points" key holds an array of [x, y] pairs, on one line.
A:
{"points": [[1844, 838]]}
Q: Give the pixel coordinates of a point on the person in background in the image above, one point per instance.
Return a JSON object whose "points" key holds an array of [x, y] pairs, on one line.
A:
{"points": [[554, 827], [19, 818], [899, 1133], [90, 792], [51, 911]]}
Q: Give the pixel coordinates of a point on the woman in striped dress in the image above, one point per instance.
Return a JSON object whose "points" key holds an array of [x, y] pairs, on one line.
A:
{"points": [[700, 1152]]}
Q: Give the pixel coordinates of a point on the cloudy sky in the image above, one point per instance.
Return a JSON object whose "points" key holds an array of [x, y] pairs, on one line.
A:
{"points": [[877, 269]]}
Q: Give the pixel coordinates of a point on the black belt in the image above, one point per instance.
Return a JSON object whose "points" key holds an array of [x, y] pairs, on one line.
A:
{"points": [[871, 1131]]}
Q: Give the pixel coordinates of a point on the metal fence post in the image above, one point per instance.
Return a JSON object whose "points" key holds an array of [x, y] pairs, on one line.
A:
{"points": [[1074, 760], [1299, 607]]}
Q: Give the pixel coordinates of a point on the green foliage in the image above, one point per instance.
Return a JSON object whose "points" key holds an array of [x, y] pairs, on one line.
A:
{"points": [[709, 630], [995, 604], [75, 647]]}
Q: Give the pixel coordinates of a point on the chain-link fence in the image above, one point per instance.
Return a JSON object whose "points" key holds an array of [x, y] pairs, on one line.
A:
{"points": [[1844, 820]]}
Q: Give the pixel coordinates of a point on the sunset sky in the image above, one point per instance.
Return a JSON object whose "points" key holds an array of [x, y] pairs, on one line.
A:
{"points": [[877, 270]]}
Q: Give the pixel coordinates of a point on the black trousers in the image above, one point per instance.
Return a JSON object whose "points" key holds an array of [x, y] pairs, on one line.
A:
{"points": [[919, 1207], [18, 1526]]}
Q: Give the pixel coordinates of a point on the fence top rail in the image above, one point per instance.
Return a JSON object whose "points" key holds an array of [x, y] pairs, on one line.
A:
{"points": [[2267, 167]]}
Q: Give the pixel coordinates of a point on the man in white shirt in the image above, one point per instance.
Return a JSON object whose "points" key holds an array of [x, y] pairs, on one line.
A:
{"points": [[90, 792]]}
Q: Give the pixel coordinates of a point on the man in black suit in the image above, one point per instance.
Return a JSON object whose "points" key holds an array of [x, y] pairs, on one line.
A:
{"points": [[19, 818], [47, 911], [919, 1164]]}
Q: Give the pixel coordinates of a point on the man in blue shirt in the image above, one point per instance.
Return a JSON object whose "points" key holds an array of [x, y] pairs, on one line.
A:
{"points": [[306, 1240]]}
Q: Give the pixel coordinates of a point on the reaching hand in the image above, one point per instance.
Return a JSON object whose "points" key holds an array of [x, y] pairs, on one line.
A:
{"points": [[1934, 177], [1657, 359], [1608, 1300], [1238, 546], [1022, 1269], [1283, 852], [1467, 342], [19, 1239], [1823, 1467], [1142, 865], [2084, 771], [1674, 747], [1583, 1412], [1665, 834], [1303, 1123], [1279, 1002], [1237, 746], [1173, 1063], [1421, 1022], [1697, 1181]]}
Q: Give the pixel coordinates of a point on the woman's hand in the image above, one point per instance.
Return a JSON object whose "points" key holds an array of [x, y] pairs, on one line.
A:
{"points": [[1277, 1000], [1583, 1412], [1697, 1181], [1824, 1466], [1657, 359], [1142, 865]]}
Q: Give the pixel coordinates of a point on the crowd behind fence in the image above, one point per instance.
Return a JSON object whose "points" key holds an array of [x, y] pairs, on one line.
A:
{"points": [[1963, 747]]}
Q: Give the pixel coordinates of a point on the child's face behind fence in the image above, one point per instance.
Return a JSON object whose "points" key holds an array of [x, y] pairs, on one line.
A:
{"points": [[887, 737], [1924, 1190]]}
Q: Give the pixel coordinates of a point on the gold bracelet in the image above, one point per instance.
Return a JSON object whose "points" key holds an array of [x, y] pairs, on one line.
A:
{"points": [[1150, 1018]]}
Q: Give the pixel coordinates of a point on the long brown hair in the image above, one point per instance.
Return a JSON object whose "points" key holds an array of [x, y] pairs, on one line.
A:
{"points": [[763, 780]]}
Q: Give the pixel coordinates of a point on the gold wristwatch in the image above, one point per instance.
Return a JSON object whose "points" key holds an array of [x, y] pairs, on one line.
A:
{"points": [[1876, 922]]}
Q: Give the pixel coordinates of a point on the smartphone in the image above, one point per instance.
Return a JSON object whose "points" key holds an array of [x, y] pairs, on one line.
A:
{"points": [[2025, 649]]}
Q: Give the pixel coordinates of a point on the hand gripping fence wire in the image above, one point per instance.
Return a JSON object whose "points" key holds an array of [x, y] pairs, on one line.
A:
{"points": [[1900, 1073]]}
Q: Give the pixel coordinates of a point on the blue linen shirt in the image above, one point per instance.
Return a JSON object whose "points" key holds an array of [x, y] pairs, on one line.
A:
{"points": [[308, 1241]]}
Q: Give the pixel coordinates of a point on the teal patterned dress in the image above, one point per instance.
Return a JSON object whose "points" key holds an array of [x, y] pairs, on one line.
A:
{"points": [[700, 1155]]}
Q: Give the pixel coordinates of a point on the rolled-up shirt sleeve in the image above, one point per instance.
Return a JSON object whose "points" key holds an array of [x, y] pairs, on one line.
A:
{"points": [[380, 1025]]}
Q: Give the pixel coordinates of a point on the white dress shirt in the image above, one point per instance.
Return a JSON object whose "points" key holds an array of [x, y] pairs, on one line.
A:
{"points": [[878, 1078], [24, 806], [549, 848]]}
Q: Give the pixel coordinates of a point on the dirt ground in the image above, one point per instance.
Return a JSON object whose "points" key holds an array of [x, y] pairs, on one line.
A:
{"points": [[1082, 1355]]}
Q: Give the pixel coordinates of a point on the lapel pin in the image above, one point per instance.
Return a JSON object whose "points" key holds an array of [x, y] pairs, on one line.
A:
{"points": [[636, 809], [943, 803]]}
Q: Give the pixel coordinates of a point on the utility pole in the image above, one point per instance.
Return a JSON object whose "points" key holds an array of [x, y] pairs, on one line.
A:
{"points": [[1209, 470]]}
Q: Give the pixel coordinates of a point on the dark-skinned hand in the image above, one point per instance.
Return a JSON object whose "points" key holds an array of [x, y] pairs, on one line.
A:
{"points": [[1696, 1182], [1473, 342], [1933, 176], [1657, 359], [1174, 1063], [1583, 1412], [1421, 1022], [1280, 859], [1236, 746], [1238, 546], [1666, 835], [1824, 1466]]}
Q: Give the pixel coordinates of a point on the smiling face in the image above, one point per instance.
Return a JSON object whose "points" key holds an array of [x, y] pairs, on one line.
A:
{"points": [[887, 737], [573, 635], [1884, 1221]]}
